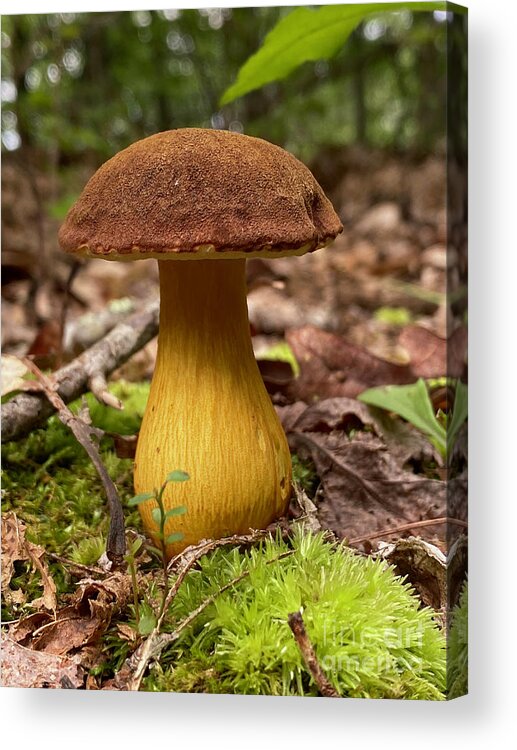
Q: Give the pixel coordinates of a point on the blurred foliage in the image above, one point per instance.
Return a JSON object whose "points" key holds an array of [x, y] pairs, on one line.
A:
{"points": [[78, 87]]}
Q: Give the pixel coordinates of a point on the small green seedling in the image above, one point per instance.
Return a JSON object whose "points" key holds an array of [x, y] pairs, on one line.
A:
{"points": [[160, 516], [131, 563]]}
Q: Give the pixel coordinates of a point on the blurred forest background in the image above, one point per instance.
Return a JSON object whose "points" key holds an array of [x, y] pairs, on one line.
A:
{"points": [[80, 87], [370, 122]]}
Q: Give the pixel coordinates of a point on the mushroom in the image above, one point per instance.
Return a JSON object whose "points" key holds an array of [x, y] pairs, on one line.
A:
{"points": [[201, 202]]}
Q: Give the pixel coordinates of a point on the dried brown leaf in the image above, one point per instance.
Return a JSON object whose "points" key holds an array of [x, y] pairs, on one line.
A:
{"points": [[331, 366], [16, 547], [403, 441], [432, 356], [364, 489], [127, 632], [275, 374], [12, 547], [424, 567], [80, 624], [23, 668]]}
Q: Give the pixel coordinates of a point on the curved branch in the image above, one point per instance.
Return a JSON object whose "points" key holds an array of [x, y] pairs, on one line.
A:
{"points": [[26, 411]]}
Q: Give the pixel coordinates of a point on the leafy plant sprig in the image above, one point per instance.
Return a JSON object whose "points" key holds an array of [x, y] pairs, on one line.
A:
{"points": [[160, 516], [413, 403]]}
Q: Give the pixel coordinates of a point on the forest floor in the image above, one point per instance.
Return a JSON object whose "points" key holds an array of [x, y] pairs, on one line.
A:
{"points": [[376, 475]]}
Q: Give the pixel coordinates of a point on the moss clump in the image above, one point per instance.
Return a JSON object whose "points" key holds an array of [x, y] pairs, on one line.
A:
{"points": [[369, 631], [304, 475], [457, 649], [50, 483], [127, 422]]}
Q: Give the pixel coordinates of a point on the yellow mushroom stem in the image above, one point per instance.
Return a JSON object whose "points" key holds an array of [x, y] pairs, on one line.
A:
{"points": [[208, 412]]}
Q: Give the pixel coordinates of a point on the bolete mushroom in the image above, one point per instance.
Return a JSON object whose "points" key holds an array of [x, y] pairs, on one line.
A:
{"points": [[201, 202]]}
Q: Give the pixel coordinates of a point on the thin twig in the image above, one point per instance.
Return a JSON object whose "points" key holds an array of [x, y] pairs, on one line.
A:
{"points": [[98, 385], [116, 543], [297, 625], [408, 527], [25, 411]]}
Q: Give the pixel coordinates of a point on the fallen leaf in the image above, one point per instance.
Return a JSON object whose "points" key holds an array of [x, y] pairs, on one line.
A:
{"points": [[325, 416], [80, 624], [432, 356], [364, 489], [332, 366], [23, 668], [403, 441], [16, 547], [423, 565], [413, 403], [127, 632], [275, 374]]}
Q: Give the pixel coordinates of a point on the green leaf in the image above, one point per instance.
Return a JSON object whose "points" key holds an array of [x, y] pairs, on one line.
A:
{"points": [[146, 624], [157, 516], [411, 402], [180, 510], [136, 546], [282, 352], [137, 499], [394, 316], [176, 537], [307, 34], [459, 414], [177, 476]]}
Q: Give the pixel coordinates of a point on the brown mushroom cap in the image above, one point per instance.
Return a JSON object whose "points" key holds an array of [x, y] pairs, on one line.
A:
{"points": [[195, 193]]}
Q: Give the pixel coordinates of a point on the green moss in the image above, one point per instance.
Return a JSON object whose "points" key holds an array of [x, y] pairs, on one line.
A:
{"points": [[368, 629], [304, 474], [457, 648], [50, 483], [127, 422], [394, 316], [370, 633]]}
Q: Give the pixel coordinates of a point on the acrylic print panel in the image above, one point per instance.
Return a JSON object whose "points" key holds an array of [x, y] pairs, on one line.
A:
{"points": [[271, 497]]}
